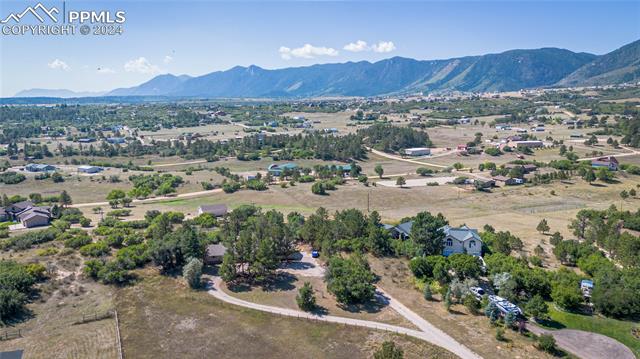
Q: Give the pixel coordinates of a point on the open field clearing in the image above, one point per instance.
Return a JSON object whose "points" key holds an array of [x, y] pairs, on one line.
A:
{"points": [[188, 324], [282, 293]]}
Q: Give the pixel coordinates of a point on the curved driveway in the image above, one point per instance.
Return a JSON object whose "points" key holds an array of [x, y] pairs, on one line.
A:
{"points": [[429, 333]]}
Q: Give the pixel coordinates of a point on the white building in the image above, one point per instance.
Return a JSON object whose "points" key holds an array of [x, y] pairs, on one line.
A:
{"points": [[417, 151]]}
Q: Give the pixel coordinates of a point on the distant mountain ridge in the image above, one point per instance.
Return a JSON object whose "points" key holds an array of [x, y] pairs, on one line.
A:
{"points": [[61, 93], [621, 65], [510, 70], [506, 71]]}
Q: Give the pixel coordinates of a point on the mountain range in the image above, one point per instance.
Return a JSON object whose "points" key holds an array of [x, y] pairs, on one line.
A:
{"points": [[506, 71]]}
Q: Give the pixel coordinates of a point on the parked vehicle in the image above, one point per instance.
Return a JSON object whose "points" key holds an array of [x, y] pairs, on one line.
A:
{"points": [[315, 254]]}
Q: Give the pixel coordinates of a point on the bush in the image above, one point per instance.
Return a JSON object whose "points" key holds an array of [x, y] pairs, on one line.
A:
{"points": [[472, 304], [95, 249], [350, 280], [305, 298], [36, 270], [389, 350], [78, 241], [85, 222], [318, 188], [192, 272], [500, 334], [547, 343]]}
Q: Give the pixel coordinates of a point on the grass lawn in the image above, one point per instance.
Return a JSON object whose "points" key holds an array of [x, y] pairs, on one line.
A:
{"points": [[616, 329]]}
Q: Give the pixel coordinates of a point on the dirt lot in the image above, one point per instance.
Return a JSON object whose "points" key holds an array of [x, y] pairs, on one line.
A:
{"points": [[193, 324]]}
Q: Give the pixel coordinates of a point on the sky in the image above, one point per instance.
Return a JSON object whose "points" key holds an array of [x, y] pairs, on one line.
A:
{"points": [[198, 37]]}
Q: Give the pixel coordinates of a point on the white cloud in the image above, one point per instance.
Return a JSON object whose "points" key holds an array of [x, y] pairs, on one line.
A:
{"points": [[307, 51], [58, 64], [106, 70], [357, 46], [141, 65], [167, 59], [384, 46]]}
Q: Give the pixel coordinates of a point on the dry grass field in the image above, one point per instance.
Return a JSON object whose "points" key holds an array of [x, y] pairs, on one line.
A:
{"points": [[48, 329], [161, 318], [282, 293]]}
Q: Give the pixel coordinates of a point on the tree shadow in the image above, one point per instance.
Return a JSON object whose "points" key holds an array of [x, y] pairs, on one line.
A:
{"points": [[280, 282], [550, 323], [320, 310]]}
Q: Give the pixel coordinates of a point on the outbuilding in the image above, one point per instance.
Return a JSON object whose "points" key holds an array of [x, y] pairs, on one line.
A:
{"points": [[417, 151], [89, 169], [214, 254]]}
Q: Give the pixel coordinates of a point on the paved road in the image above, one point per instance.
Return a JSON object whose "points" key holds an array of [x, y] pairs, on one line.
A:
{"points": [[154, 199], [429, 333], [586, 345]]}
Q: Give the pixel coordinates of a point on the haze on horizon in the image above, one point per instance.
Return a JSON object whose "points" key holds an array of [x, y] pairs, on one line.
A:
{"points": [[199, 37]]}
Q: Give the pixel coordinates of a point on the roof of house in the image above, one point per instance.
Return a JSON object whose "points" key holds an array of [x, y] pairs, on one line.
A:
{"points": [[605, 160], [32, 212], [275, 166], [586, 283], [462, 233], [39, 166], [216, 250], [501, 178], [20, 206], [405, 227], [214, 209]]}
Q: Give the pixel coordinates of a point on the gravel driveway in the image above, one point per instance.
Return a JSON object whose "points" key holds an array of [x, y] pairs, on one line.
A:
{"points": [[304, 265], [586, 345]]}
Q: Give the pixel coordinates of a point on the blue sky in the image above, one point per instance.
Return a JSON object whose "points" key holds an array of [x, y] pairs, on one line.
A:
{"points": [[195, 38]]}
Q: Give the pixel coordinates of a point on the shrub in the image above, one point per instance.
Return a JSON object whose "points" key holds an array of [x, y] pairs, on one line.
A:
{"points": [[77, 241], [95, 249], [305, 298], [547, 343], [389, 350]]}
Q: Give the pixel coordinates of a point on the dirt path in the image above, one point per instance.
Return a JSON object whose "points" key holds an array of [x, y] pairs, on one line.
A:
{"points": [[631, 153], [155, 199], [398, 158], [586, 345], [429, 333]]}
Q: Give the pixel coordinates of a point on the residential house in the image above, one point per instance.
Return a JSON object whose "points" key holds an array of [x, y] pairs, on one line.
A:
{"points": [[18, 207], [507, 181], [586, 286], [526, 144], [39, 167], [216, 210], [115, 140], [277, 169], [214, 254], [89, 169], [505, 306], [34, 217], [609, 162], [86, 140], [456, 239]]}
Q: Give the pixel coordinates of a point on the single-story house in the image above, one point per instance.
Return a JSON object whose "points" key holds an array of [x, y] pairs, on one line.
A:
{"points": [[39, 167], [34, 217], [464, 121], [115, 140], [216, 210], [214, 253], [609, 162], [417, 151], [89, 169], [526, 144], [277, 169], [86, 140], [18, 207], [456, 239], [508, 181]]}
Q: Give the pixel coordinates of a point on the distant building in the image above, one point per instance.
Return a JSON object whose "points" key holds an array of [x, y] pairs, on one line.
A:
{"points": [[508, 181], [464, 121], [116, 140], [609, 162], [216, 210], [89, 169], [504, 305], [38, 167], [417, 151], [86, 140], [586, 286], [526, 144], [277, 169]]}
